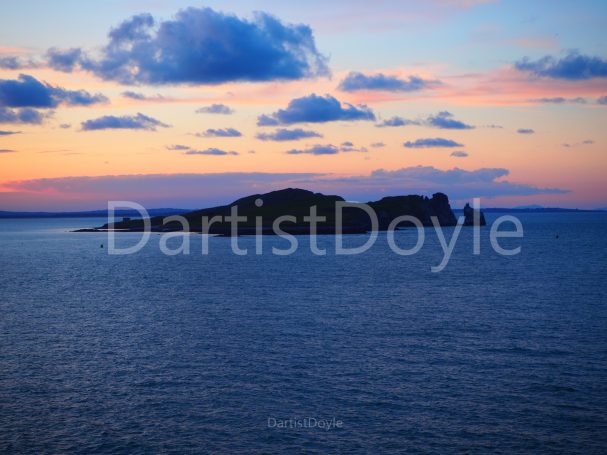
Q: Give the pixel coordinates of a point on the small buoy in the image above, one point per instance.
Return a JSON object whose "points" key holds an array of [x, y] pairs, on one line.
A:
{"points": [[101, 246], [557, 236]]}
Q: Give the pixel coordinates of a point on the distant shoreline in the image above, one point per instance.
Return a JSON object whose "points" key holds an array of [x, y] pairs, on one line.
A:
{"points": [[170, 211]]}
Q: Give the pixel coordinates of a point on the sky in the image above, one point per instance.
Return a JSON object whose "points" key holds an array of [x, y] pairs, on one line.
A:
{"points": [[189, 104]]}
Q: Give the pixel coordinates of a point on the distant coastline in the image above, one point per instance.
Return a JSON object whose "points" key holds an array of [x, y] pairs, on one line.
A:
{"points": [[5, 214], [91, 213]]}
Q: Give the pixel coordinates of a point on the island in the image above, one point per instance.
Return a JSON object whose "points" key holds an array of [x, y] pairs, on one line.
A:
{"points": [[259, 213]]}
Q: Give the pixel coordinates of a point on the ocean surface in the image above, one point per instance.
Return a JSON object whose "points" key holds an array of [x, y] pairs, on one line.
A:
{"points": [[148, 353]]}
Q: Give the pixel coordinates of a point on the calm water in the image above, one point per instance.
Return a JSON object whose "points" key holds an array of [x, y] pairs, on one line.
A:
{"points": [[193, 354]]}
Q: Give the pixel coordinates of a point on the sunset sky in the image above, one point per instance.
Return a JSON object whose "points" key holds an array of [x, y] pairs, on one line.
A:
{"points": [[188, 104]]}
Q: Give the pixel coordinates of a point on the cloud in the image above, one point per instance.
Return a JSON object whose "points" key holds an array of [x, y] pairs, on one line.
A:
{"points": [[316, 109], [584, 142], [459, 154], [445, 120], [10, 63], [559, 100], [183, 190], [16, 63], [65, 126], [27, 91], [7, 151], [283, 134], [525, 131], [9, 133], [135, 122], [210, 151], [431, 142], [215, 109], [397, 121], [151, 190], [378, 144], [190, 151], [355, 81], [203, 46], [134, 95], [316, 150], [574, 66], [348, 146], [177, 147], [328, 149], [225, 132], [63, 60], [141, 96], [458, 184], [25, 115], [602, 100]]}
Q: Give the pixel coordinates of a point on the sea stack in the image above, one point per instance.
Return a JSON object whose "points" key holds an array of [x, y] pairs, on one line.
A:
{"points": [[469, 213]]}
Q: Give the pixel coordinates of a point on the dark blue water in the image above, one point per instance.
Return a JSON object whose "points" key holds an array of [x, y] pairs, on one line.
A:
{"points": [[193, 354]]}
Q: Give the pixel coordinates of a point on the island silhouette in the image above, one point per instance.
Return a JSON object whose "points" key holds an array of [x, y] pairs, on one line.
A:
{"points": [[259, 212]]}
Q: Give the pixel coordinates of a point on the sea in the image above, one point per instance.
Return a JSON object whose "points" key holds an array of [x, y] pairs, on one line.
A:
{"points": [[370, 353]]}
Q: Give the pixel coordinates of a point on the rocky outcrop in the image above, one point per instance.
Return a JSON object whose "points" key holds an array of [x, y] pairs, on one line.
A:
{"points": [[471, 215], [422, 208]]}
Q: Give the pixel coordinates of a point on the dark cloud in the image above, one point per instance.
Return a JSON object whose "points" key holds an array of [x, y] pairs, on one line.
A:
{"points": [[525, 131], [8, 133], [397, 121], [602, 100], [559, 100], [355, 81], [64, 60], [27, 91], [444, 120], [225, 132], [574, 66], [210, 151], [131, 122], [215, 109], [378, 145], [283, 134], [316, 109], [7, 151], [25, 115], [203, 46], [431, 142], [65, 126], [459, 154]]}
